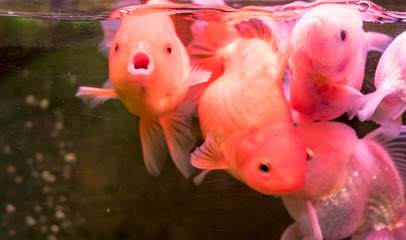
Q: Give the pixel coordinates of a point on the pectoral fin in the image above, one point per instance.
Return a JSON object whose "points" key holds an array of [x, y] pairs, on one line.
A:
{"points": [[196, 76], [177, 129], [95, 96], [308, 222], [377, 41], [209, 156], [153, 143], [292, 232], [370, 102]]}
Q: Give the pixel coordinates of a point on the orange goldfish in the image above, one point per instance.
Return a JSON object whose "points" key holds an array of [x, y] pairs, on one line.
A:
{"points": [[387, 104], [150, 73], [328, 61], [352, 186], [245, 118]]}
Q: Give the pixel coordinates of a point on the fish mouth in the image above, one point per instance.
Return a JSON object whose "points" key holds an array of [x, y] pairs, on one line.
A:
{"points": [[141, 63]]}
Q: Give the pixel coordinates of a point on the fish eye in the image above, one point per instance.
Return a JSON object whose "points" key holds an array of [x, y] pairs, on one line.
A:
{"points": [[310, 154], [115, 47], [343, 35], [264, 167], [169, 49]]}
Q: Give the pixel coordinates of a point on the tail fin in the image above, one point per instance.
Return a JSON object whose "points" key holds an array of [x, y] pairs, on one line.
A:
{"points": [[384, 107], [382, 234], [396, 148], [208, 38]]}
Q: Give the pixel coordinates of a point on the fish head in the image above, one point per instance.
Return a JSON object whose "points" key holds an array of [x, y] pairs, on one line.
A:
{"points": [[271, 160], [328, 35], [330, 146], [147, 61], [145, 49]]}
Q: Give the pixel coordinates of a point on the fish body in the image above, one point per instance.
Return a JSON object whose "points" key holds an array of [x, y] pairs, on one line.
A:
{"points": [[352, 186], [150, 72], [245, 118], [328, 61], [387, 104]]}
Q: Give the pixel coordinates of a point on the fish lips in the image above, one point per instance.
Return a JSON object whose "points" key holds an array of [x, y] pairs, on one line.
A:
{"points": [[141, 64]]}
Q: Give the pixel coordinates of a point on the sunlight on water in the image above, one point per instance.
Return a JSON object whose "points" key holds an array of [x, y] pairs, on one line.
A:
{"points": [[71, 172]]}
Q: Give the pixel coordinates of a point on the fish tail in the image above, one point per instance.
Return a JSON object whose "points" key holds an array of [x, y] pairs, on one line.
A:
{"points": [[396, 148], [209, 37], [382, 234]]}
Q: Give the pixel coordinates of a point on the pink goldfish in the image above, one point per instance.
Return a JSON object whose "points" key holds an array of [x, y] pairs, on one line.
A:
{"points": [[328, 60], [352, 186], [245, 118], [150, 73], [386, 105]]}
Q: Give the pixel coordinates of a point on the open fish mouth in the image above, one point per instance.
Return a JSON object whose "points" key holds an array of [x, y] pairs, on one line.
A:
{"points": [[141, 63]]}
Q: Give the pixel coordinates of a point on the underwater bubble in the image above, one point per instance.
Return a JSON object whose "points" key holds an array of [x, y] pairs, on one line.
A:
{"points": [[7, 149], [73, 79], [54, 134], [29, 161], [59, 214], [44, 104], [18, 179], [66, 224], [66, 175], [48, 176], [55, 228], [30, 220], [44, 229], [59, 125], [12, 232], [37, 208], [51, 237], [70, 157], [26, 73], [47, 189], [50, 201], [11, 169], [61, 145], [34, 173], [10, 208], [62, 199], [28, 124], [31, 100], [39, 156], [43, 218]]}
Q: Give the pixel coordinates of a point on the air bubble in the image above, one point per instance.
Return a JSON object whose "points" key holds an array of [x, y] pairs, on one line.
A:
{"points": [[70, 157], [363, 6], [10, 208], [30, 220]]}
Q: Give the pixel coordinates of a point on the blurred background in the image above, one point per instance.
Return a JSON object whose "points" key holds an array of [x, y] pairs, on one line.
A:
{"points": [[71, 172]]}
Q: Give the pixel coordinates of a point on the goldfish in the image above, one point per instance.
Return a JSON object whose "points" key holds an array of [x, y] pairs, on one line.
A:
{"points": [[353, 187], [386, 105], [244, 116], [151, 74], [328, 61]]}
